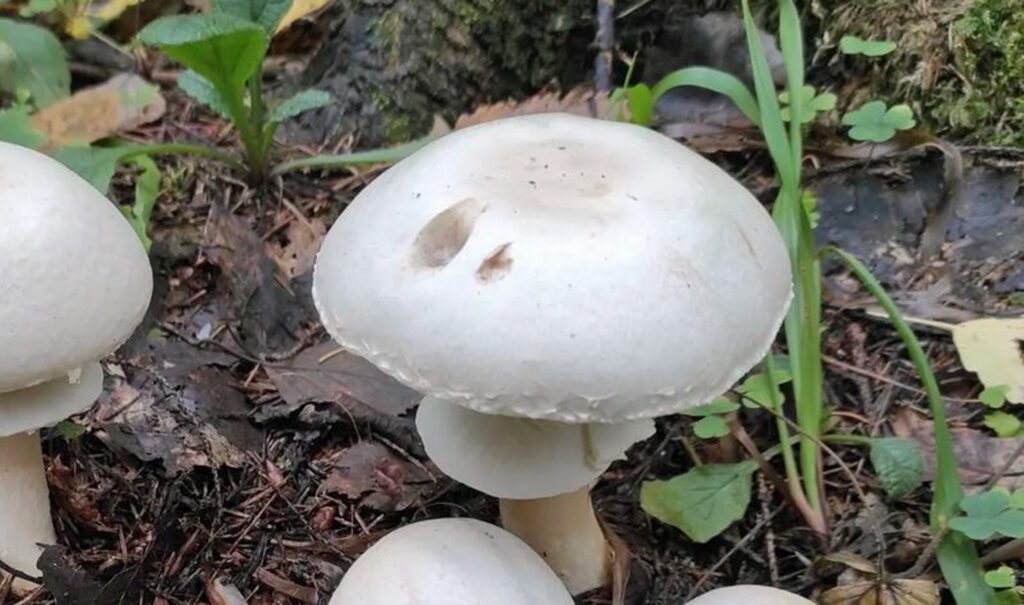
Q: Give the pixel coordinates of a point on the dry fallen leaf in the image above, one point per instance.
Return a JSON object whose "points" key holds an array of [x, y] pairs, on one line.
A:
{"points": [[124, 102], [993, 349], [300, 9], [220, 593], [861, 584], [580, 101], [296, 256]]}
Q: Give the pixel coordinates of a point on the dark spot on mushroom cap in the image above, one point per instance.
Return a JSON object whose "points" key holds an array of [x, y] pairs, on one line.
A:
{"points": [[445, 235], [497, 264]]}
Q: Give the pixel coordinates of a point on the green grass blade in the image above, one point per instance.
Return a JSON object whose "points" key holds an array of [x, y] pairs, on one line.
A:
{"points": [[957, 556], [768, 103], [713, 80], [791, 43], [371, 156]]}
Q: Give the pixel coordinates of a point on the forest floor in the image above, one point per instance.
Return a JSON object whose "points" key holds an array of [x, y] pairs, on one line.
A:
{"points": [[234, 445]]}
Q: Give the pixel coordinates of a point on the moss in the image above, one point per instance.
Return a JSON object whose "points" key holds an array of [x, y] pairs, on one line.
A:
{"points": [[959, 63]]}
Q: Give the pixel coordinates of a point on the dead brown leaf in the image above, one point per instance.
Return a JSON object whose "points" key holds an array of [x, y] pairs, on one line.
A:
{"points": [[883, 592], [304, 594], [296, 255], [979, 456], [580, 101], [124, 102], [372, 472], [326, 374]]}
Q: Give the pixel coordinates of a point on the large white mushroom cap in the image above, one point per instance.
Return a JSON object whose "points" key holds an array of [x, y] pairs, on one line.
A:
{"points": [[74, 278], [749, 594], [450, 562], [558, 267]]}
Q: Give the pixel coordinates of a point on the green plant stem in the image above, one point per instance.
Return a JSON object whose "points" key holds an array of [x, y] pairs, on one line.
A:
{"points": [[265, 134], [957, 556], [847, 439], [184, 149], [373, 156]]}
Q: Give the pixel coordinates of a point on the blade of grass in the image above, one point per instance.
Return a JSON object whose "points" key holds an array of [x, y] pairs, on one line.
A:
{"points": [[372, 156], [715, 81], [957, 556], [791, 43]]}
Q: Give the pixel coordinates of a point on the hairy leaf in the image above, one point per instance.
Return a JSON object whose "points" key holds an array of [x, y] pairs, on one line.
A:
{"points": [[898, 464], [703, 502]]}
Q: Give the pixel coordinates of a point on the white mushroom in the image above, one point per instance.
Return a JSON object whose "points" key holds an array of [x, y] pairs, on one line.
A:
{"points": [[552, 269], [74, 282], [749, 595], [450, 562]]}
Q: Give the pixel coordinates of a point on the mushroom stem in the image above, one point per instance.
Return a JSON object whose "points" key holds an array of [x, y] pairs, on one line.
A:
{"points": [[24, 505], [565, 531]]}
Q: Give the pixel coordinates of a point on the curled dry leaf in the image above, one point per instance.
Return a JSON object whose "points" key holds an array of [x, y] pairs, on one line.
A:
{"points": [[124, 102], [580, 101]]}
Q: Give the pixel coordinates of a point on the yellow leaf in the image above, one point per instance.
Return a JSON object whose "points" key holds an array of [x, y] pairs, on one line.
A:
{"points": [[78, 27], [108, 10], [299, 9], [994, 349]]}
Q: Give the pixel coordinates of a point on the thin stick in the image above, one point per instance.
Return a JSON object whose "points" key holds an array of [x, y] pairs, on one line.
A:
{"points": [[605, 45]]}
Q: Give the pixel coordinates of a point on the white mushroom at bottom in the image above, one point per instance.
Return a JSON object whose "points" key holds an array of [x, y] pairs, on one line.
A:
{"points": [[749, 594], [75, 281], [450, 562], [550, 270]]}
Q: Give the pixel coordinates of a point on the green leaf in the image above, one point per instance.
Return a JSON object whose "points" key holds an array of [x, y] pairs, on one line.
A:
{"points": [[641, 104], [68, 430], [812, 102], [38, 7], [202, 90], [703, 502], [898, 464], [716, 81], [1004, 577], [1008, 597], [16, 128], [1017, 499], [300, 103], [853, 45], [876, 123], [711, 427], [988, 515], [147, 190], [94, 164], [716, 406], [826, 101], [266, 13], [32, 58], [757, 389], [1005, 425], [810, 204], [224, 49], [994, 396]]}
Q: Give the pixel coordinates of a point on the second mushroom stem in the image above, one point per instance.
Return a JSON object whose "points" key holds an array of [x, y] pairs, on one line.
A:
{"points": [[565, 530], [24, 503]]}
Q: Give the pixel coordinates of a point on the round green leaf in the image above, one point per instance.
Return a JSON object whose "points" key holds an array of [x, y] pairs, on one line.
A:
{"points": [[710, 427]]}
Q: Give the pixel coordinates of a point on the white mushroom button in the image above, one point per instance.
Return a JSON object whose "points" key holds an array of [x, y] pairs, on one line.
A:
{"points": [[552, 270], [749, 595], [75, 281], [450, 562]]}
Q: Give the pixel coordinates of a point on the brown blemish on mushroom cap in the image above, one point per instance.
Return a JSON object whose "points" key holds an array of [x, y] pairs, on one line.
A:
{"points": [[497, 264], [446, 234]]}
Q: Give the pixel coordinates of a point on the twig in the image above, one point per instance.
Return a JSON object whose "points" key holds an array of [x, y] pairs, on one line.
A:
{"points": [[605, 45], [17, 573]]}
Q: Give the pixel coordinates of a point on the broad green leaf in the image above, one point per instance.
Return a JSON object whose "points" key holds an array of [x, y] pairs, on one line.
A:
{"points": [[1005, 425], [1004, 577], [299, 103], [38, 7], [224, 49], [716, 406], [200, 89], [898, 464], [994, 396], [714, 80], [756, 388], [147, 190], [16, 127], [68, 430], [1008, 597], [32, 58], [711, 427], [853, 45], [1017, 499], [703, 502], [266, 13], [94, 164], [641, 104], [877, 123]]}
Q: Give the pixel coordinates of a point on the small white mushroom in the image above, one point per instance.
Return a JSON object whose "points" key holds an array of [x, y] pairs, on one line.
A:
{"points": [[749, 595], [74, 282], [450, 562], [551, 283]]}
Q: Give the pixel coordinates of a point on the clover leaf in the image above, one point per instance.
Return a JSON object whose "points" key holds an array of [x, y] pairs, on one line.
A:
{"points": [[990, 514], [811, 102], [877, 123], [854, 45]]}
